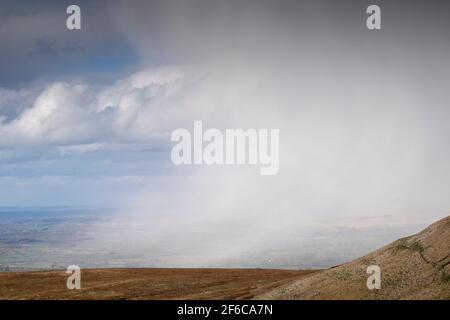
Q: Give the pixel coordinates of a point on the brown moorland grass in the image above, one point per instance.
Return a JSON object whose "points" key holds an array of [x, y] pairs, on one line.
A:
{"points": [[147, 283], [415, 267]]}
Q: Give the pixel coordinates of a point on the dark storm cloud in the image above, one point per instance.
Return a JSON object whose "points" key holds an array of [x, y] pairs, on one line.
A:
{"points": [[35, 42], [190, 29]]}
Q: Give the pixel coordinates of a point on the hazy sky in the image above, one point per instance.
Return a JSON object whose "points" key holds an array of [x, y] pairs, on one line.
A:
{"points": [[86, 116]]}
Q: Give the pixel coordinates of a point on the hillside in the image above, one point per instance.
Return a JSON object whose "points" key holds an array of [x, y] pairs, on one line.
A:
{"points": [[415, 267]]}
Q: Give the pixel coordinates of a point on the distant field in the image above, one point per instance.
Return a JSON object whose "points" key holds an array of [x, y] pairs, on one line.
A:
{"points": [[147, 283], [54, 238]]}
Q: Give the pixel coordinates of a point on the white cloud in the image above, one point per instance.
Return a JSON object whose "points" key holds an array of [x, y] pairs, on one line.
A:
{"points": [[133, 109]]}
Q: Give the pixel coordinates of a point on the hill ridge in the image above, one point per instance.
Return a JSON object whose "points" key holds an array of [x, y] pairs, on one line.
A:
{"points": [[413, 267]]}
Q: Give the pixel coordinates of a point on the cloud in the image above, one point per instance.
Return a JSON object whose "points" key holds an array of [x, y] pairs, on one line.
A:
{"points": [[136, 108], [361, 130], [37, 45]]}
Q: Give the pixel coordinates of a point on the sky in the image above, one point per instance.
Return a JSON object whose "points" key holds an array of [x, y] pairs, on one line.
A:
{"points": [[86, 115]]}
